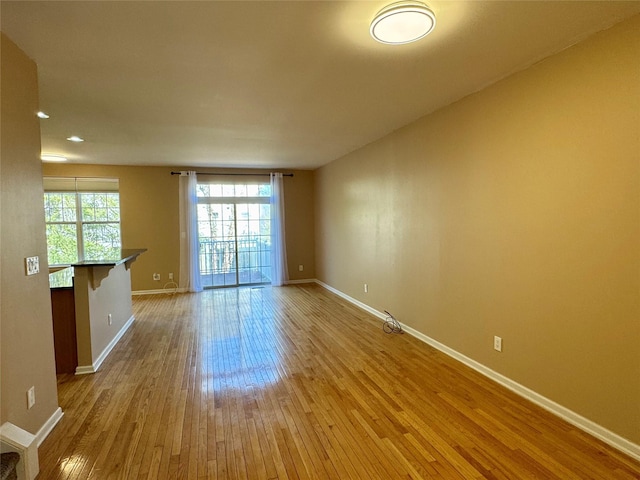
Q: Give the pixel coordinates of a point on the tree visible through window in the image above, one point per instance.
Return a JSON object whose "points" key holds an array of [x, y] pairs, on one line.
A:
{"points": [[81, 225]]}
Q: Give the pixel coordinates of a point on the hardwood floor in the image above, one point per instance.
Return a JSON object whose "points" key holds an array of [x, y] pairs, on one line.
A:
{"points": [[293, 382]]}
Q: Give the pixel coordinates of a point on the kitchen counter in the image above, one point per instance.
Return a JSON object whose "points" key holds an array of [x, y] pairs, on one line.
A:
{"points": [[92, 309], [117, 257]]}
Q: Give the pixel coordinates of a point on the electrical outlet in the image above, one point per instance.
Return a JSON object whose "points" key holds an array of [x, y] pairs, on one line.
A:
{"points": [[171, 276], [31, 397], [109, 319], [366, 288], [497, 343], [156, 276], [300, 268]]}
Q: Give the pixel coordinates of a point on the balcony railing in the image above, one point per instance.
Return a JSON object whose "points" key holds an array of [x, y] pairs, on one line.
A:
{"points": [[218, 258]]}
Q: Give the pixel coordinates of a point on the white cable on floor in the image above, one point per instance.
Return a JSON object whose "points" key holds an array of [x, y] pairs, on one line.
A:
{"points": [[174, 287]]}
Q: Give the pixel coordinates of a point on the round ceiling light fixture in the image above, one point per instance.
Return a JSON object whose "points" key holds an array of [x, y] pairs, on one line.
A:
{"points": [[402, 22]]}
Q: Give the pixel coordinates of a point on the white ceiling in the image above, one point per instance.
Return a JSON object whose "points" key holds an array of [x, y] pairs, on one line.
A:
{"points": [[280, 84]]}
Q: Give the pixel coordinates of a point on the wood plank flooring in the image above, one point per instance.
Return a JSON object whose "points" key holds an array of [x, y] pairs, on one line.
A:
{"points": [[295, 383]]}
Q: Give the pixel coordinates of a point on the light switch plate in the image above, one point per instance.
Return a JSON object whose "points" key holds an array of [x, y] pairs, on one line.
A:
{"points": [[32, 265]]}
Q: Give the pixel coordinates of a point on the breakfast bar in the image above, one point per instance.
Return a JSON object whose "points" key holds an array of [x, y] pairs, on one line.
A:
{"points": [[99, 312]]}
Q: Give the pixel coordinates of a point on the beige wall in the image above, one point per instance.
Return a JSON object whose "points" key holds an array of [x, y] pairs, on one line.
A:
{"points": [[150, 218], [26, 331], [300, 225], [98, 292], [513, 212]]}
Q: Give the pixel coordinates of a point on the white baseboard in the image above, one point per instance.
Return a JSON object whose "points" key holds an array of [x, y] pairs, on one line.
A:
{"points": [[48, 426], [304, 280], [15, 439], [598, 431], [159, 291], [85, 369], [357, 303]]}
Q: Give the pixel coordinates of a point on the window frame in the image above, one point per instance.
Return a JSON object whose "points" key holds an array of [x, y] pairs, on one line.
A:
{"points": [[79, 222]]}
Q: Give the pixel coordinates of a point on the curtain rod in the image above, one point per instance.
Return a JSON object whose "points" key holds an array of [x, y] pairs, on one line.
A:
{"points": [[247, 174]]}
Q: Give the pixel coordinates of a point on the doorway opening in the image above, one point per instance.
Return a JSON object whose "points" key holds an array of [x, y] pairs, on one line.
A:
{"points": [[234, 234]]}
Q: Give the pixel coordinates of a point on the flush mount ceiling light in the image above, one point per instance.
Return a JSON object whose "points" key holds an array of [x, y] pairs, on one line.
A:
{"points": [[52, 158], [75, 138], [402, 22], [42, 115]]}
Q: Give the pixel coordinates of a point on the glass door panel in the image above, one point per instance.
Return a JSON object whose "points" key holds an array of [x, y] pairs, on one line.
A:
{"points": [[254, 254], [217, 236], [235, 235]]}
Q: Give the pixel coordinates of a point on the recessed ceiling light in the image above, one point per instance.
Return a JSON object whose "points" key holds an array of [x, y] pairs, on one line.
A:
{"points": [[52, 158], [75, 138], [402, 22], [42, 115]]}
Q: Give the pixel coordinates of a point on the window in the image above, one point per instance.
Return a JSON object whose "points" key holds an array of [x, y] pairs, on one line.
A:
{"points": [[82, 217], [224, 190]]}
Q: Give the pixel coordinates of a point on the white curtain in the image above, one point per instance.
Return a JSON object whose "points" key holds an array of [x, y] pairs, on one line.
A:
{"points": [[279, 273], [189, 246]]}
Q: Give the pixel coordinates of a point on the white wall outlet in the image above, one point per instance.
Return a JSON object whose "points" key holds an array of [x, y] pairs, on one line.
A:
{"points": [[156, 276], [171, 276], [32, 265], [497, 343], [31, 397], [109, 319], [366, 288], [300, 268]]}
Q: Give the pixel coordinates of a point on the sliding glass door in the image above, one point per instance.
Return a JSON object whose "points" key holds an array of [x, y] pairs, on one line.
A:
{"points": [[234, 234]]}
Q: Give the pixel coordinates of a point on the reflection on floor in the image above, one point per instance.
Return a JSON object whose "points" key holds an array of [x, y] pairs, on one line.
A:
{"points": [[244, 277]]}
